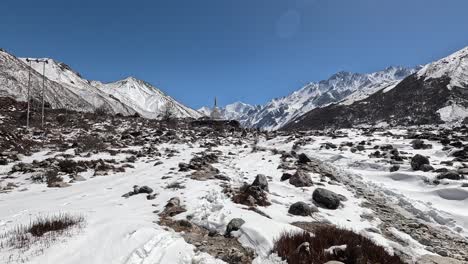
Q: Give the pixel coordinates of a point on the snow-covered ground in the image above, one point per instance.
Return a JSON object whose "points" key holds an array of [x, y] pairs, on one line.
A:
{"points": [[126, 230]]}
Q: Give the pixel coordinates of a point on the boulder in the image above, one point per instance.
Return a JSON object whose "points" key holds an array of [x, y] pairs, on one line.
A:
{"points": [[303, 159], [451, 175], [394, 168], [234, 225], [419, 144], [286, 176], [261, 181], [426, 167], [326, 198], [418, 161], [301, 208], [144, 189], [301, 179]]}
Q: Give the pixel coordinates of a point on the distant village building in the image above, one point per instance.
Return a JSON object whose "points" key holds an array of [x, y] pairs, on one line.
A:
{"points": [[215, 113]]}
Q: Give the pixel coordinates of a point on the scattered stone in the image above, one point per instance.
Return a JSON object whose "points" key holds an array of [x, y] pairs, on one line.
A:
{"points": [[151, 196], [59, 185], [451, 175], [234, 225], [301, 208], [301, 179], [426, 167], [394, 168], [418, 161], [326, 198], [138, 190], [286, 176], [303, 159], [261, 182], [419, 144], [173, 207]]}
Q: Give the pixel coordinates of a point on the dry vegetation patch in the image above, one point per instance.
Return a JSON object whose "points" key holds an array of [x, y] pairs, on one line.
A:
{"points": [[41, 232], [331, 243]]}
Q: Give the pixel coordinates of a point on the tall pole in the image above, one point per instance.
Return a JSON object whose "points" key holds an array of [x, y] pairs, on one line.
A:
{"points": [[29, 98], [43, 88]]}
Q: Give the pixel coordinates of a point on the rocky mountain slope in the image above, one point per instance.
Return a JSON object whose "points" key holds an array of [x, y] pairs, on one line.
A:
{"points": [[435, 94], [65, 88], [342, 86]]}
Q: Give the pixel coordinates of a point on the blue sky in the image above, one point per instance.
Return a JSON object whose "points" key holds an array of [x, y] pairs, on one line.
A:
{"points": [[247, 50]]}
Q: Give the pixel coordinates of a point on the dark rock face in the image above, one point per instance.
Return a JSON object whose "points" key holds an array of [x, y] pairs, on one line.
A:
{"points": [[418, 161], [301, 179], [414, 101], [326, 198], [301, 208]]}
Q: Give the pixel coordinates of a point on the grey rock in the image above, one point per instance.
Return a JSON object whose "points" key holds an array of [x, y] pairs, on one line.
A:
{"points": [[144, 189], [326, 198], [426, 167], [234, 225], [303, 159], [261, 181], [451, 175], [286, 176], [301, 208], [418, 161], [394, 168], [301, 179]]}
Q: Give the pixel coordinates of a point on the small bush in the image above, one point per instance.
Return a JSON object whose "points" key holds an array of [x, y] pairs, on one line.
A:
{"points": [[52, 177], [304, 248], [42, 225]]}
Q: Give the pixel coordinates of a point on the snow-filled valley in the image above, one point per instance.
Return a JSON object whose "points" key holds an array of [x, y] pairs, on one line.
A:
{"points": [[417, 215]]}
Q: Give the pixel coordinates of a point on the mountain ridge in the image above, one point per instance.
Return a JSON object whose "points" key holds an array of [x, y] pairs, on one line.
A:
{"points": [[66, 88]]}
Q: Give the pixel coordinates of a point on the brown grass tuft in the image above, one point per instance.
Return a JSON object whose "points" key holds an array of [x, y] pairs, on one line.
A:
{"points": [[304, 248]]}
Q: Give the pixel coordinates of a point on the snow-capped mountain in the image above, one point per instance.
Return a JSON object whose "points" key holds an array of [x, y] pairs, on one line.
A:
{"points": [[65, 88], [454, 66], [342, 86], [14, 78], [65, 76], [235, 111], [434, 94], [144, 98]]}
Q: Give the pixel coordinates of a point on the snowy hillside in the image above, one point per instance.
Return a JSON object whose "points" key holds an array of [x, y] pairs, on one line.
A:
{"points": [[146, 99], [149, 194], [65, 76], [14, 76], [65, 88], [454, 66]]}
